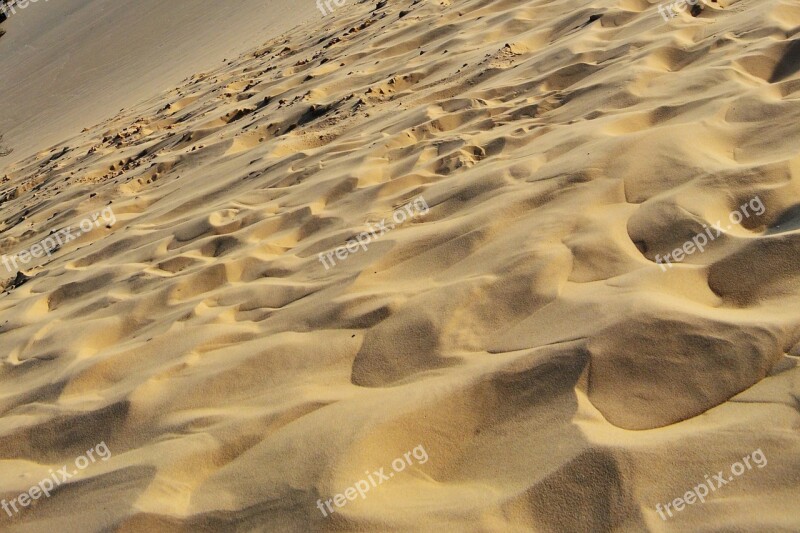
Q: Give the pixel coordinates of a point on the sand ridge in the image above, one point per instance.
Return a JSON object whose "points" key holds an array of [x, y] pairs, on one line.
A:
{"points": [[521, 331]]}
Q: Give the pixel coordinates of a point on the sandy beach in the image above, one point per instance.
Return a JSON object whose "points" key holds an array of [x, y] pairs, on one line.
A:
{"points": [[412, 265]]}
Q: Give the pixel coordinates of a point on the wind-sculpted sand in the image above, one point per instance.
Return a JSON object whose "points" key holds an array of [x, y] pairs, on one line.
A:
{"points": [[521, 330]]}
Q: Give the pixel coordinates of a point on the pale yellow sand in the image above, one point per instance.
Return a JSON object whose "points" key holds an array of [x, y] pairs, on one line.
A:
{"points": [[520, 331], [68, 64]]}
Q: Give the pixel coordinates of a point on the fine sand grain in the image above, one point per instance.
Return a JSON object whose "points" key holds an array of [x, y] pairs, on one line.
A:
{"points": [[521, 329]]}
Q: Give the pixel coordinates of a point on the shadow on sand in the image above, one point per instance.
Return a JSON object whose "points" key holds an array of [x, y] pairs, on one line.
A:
{"points": [[3, 150]]}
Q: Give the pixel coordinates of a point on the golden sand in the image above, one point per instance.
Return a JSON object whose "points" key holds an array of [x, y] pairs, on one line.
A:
{"points": [[522, 331]]}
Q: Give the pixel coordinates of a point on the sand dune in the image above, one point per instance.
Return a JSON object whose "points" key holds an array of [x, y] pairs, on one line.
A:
{"points": [[67, 65], [524, 328]]}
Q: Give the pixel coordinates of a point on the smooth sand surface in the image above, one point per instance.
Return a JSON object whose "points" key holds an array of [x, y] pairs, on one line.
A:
{"points": [[520, 330], [68, 64]]}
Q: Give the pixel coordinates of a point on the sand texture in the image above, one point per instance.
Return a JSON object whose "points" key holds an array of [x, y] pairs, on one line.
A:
{"points": [[519, 327]]}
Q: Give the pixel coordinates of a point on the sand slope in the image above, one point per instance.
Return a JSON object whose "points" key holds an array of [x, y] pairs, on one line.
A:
{"points": [[520, 330], [68, 64]]}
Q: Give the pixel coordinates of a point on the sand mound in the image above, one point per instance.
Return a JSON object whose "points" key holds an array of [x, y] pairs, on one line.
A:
{"points": [[422, 224]]}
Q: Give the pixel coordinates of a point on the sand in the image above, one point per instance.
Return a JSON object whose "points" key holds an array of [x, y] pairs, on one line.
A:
{"points": [[522, 327], [68, 64]]}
